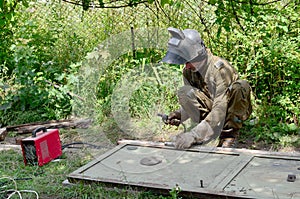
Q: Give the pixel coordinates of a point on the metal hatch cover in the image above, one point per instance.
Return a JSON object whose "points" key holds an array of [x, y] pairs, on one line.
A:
{"points": [[200, 171], [267, 177]]}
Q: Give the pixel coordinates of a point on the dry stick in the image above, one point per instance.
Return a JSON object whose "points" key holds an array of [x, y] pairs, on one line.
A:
{"points": [[132, 42], [29, 127]]}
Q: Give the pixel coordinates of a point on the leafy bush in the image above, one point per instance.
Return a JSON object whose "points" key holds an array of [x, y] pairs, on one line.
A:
{"points": [[47, 44], [156, 85]]}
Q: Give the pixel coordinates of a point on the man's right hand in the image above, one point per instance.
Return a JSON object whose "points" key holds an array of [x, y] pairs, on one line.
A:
{"points": [[184, 140], [174, 118]]}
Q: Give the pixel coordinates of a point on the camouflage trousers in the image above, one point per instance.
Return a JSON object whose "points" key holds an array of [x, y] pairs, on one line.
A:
{"points": [[197, 105]]}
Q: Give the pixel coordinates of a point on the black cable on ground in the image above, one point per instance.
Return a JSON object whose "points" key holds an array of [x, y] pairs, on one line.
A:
{"points": [[82, 143]]}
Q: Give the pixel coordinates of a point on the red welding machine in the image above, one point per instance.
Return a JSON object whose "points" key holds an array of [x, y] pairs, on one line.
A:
{"points": [[43, 146]]}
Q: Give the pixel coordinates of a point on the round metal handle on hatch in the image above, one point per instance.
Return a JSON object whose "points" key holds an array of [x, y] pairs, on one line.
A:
{"points": [[38, 130]]}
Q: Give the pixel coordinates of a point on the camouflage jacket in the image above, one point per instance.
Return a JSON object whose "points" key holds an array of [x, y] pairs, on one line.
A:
{"points": [[214, 81]]}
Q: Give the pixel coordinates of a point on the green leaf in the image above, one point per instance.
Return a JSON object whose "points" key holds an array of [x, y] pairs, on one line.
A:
{"points": [[219, 32], [101, 3], [164, 2], [213, 2], [25, 3], [292, 127], [285, 28]]}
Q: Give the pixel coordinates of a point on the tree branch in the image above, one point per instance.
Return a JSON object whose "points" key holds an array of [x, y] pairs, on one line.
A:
{"points": [[157, 4], [203, 22], [200, 17], [246, 2], [251, 7], [236, 16], [257, 4], [98, 6]]}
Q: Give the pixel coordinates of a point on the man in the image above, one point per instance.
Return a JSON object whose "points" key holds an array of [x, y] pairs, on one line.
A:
{"points": [[212, 96]]}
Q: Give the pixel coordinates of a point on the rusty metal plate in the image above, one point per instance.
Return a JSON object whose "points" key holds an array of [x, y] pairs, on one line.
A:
{"points": [[203, 172]]}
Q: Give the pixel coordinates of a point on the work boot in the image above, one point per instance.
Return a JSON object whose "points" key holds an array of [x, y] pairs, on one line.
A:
{"points": [[227, 143], [228, 138]]}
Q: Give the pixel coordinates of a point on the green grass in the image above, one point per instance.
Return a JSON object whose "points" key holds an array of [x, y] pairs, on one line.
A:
{"points": [[47, 181], [270, 135]]}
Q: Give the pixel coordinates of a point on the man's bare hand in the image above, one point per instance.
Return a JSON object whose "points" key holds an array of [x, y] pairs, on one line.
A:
{"points": [[174, 118]]}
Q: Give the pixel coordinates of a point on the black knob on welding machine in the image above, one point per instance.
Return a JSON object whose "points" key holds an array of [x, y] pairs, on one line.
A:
{"points": [[42, 128]]}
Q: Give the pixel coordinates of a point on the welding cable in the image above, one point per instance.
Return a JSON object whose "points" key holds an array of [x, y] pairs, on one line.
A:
{"points": [[3, 184], [24, 191], [7, 180], [70, 145], [15, 191]]}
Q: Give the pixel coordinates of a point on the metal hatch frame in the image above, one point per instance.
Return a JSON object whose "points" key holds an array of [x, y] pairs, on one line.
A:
{"points": [[220, 186]]}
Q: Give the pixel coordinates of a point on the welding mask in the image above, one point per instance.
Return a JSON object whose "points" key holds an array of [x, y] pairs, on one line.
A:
{"points": [[184, 46]]}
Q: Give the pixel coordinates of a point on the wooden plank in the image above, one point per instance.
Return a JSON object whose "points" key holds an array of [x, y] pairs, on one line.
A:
{"points": [[3, 133], [4, 147], [259, 152], [212, 149], [142, 143], [29, 127]]}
